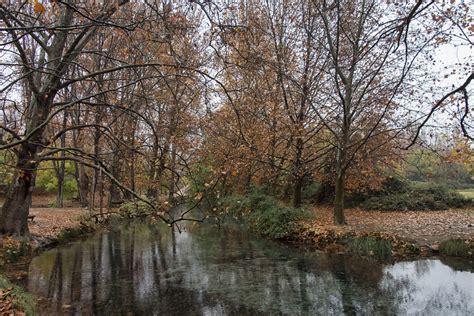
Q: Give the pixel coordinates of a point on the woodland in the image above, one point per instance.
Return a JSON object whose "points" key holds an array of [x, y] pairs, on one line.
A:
{"points": [[255, 106]]}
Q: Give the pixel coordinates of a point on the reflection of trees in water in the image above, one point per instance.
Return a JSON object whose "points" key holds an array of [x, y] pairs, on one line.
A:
{"points": [[458, 264], [154, 271], [437, 291], [422, 267]]}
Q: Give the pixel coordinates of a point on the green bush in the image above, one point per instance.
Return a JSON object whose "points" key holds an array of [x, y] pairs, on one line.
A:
{"points": [[264, 214], [454, 247], [310, 191], [417, 196]]}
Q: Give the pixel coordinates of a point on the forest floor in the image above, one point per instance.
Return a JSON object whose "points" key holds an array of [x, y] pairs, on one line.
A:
{"points": [[425, 227], [410, 234], [50, 222]]}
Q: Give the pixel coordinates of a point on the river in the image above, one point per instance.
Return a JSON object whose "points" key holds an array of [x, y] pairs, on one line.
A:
{"points": [[151, 270]]}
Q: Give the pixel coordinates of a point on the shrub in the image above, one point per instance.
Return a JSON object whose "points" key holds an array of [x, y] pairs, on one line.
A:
{"points": [[418, 196], [368, 246], [454, 247], [21, 301], [310, 191], [11, 250], [265, 214]]}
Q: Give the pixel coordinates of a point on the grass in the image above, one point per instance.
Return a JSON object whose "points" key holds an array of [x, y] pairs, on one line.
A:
{"points": [[467, 193], [370, 246], [454, 247]]}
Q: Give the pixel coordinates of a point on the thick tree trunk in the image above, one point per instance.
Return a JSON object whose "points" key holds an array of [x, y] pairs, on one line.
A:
{"points": [[15, 210]]}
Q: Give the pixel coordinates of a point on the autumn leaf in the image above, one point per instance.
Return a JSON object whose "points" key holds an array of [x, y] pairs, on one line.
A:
{"points": [[39, 7]]}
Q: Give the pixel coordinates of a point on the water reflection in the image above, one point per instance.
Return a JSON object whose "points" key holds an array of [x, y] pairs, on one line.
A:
{"points": [[149, 271]]}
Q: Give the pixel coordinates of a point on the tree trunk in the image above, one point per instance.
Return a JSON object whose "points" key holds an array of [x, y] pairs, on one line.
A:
{"points": [[173, 180], [60, 176], [95, 178], [339, 218], [62, 167], [114, 195], [82, 181], [126, 195], [152, 191], [297, 193], [15, 210], [298, 174]]}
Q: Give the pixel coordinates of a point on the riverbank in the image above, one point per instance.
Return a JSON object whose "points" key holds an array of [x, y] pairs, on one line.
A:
{"points": [[397, 235], [402, 234], [46, 227]]}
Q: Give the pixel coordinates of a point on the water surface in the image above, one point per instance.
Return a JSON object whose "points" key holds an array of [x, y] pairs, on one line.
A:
{"points": [[150, 270]]}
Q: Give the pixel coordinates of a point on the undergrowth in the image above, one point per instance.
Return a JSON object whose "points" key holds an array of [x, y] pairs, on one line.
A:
{"points": [[15, 299], [264, 214], [454, 247], [417, 197], [370, 246]]}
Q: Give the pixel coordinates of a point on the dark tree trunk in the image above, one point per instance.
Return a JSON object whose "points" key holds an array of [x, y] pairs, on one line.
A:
{"points": [[173, 180], [82, 179], [152, 191], [96, 176], [297, 194], [62, 168], [15, 210], [298, 174], [82, 184], [115, 196], [126, 195], [60, 176]]}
